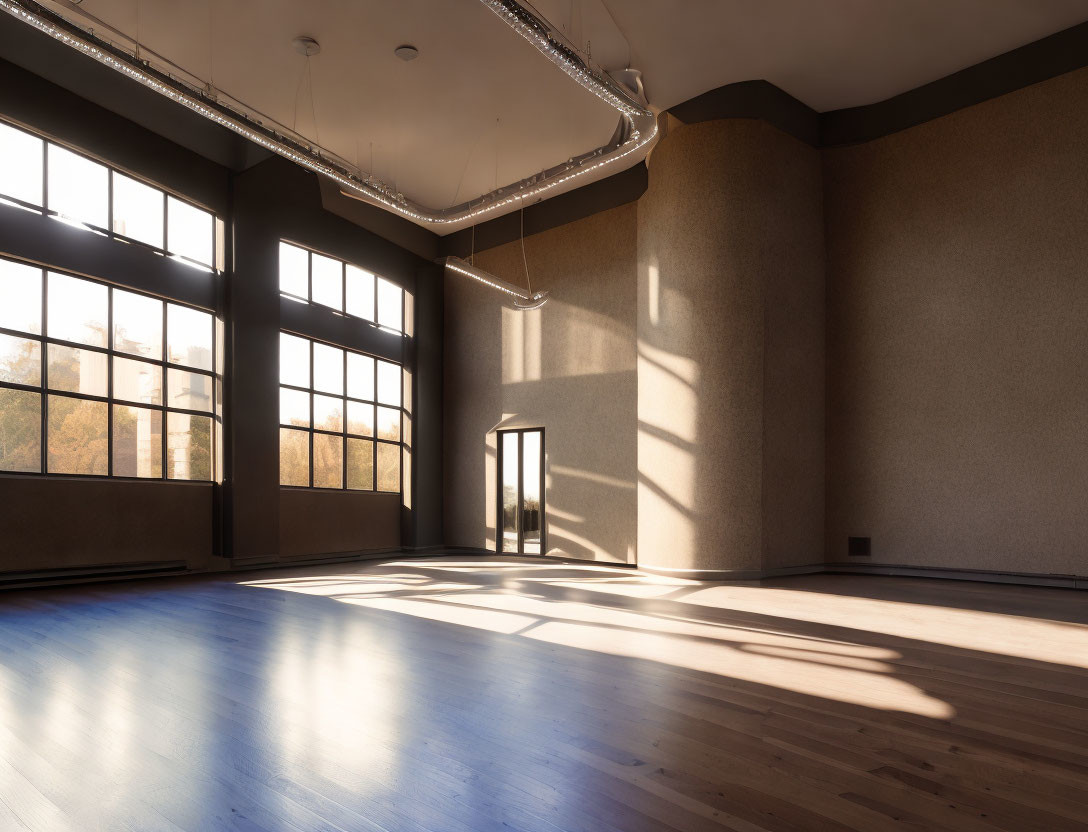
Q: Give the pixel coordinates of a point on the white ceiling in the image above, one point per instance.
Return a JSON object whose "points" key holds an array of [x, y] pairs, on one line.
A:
{"points": [[480, 107], [829, 54]]}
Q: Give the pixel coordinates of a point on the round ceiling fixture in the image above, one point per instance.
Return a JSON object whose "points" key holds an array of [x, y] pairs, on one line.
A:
{"points": [[406, 52], [306, 46]]}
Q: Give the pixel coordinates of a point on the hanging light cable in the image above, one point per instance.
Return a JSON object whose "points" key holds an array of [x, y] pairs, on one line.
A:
{"points": [[537, 300]]}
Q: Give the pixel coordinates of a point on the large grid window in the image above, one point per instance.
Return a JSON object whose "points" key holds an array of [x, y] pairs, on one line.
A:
{"points": [[341, 418], [308, 276], [48, 178], [101, 381]]}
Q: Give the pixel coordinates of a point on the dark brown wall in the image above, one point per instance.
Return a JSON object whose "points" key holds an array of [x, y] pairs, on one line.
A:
{"points": [[51, 522], [333, 522], [54, 522], [958, 327]]}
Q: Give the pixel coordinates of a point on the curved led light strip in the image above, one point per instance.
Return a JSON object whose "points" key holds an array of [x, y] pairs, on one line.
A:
{"points": [[638, 124], [522, 298]]}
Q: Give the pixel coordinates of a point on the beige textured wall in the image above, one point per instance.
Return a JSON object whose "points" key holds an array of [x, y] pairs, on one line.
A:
{"points": [[568, 367], [958, 337], [731, 351]]}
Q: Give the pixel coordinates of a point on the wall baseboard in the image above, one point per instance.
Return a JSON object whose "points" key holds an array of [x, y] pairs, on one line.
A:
{"points": [[901, 570], [130, 571], [950, 574], [91, 574], [731, 574]]}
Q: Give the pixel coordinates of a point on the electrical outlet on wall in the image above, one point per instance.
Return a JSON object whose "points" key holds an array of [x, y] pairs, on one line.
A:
{"points": [[859, 547]]}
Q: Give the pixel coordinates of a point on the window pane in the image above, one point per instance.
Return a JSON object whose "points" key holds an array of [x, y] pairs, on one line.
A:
{"points": [[327, 281], [388, 467], [188, 391], [360, 376], [78, 187], [78, 371], [20, 297], [20, 360], [360, 465], [137, 210], [78, 310], [137, 442], [188, 337], [137, 381], [188, 447], [388, 383], [328, 461], [510, 466], [77, 436], [20, 430], [328, 413], [530, 491], [294, 360], [294, 407], [294, 270], [389, 305], [137, 324], [328, 369], [360, 299], [189, 231], [389, 424], [294, 457], [360, 418], [20, 166]]}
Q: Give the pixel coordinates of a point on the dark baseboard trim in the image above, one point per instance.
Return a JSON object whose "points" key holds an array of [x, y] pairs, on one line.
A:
{"points": [[949, 574], [276, 562], [900, 570], [1032, 63], [91, 574], [31, 579], [731, 574]]}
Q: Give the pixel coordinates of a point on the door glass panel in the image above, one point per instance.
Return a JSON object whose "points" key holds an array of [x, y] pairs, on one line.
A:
{"points": [[509, 520], [530, 491]]}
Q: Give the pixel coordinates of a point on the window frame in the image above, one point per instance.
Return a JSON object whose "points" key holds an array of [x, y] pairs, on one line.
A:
{"points": [[110, 352], [218, 227], [310, 252], [343, 433]]}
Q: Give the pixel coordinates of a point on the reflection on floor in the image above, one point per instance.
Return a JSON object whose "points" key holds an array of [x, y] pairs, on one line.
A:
{"points": [[519, 694]]}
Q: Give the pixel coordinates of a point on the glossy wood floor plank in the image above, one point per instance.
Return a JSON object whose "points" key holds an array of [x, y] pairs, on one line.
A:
{"points": [[508, 694]]}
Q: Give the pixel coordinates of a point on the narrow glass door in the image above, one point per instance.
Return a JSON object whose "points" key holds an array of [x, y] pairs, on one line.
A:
{"points": [[509, 498], [521, 491]]}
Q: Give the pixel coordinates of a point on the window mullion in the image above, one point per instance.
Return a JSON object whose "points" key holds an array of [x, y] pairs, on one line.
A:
{"points": [[43, 464], [109, 362], [163, 446]]}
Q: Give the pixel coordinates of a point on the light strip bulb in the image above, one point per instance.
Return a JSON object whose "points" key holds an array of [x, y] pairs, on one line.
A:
{"points": [[639, 123], [522, 298]]}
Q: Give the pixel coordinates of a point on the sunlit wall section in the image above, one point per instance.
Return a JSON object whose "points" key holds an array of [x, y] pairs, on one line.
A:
{"points": [[730, 345], [568, 367]]}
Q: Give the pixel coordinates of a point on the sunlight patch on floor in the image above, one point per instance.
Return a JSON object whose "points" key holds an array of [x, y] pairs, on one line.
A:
{"points": [[628, 614]]}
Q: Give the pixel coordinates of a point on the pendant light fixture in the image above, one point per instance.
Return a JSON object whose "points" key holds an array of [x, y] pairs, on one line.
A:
{"points": [[523, 299]]}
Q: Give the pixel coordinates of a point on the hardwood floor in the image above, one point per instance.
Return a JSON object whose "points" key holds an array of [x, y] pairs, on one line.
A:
{"points": [[463, 695]]}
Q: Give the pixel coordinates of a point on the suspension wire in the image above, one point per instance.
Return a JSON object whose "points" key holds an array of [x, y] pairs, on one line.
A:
{"points": [[211, 45], [524, 259], [298, 92], [313, 107]]}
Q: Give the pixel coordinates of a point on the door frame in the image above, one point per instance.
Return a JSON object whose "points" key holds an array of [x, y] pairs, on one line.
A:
{"points": [[499, 434]]}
